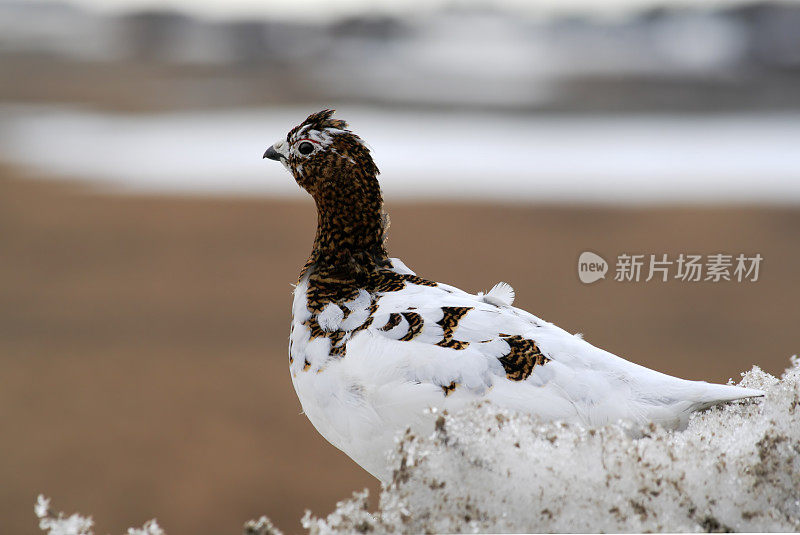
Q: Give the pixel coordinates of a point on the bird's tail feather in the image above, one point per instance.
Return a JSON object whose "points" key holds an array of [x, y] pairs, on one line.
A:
{"points": [[710, 394]]}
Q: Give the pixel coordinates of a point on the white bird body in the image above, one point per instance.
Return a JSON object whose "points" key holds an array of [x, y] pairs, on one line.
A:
{"points": [[384, 385], [373, 346]]}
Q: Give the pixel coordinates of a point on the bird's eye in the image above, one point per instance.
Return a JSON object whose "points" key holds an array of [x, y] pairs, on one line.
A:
{"points": [[305, 148]]}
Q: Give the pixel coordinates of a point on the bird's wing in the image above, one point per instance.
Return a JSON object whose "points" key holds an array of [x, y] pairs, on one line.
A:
{"points": [[471, 345]]}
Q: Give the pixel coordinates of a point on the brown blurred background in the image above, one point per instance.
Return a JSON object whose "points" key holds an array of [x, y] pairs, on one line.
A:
{"points": [[143, 333]]}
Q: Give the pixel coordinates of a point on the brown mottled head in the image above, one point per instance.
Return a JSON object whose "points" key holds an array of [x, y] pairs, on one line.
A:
{"points": [[335, 166], [322, 149]]}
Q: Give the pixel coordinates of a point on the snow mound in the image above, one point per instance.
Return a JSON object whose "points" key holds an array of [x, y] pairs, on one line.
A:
{"points": [[735, 468]]}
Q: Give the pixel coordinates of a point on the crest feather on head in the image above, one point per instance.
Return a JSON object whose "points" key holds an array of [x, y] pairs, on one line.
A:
{"points": [[335, 143], [323, 119]]}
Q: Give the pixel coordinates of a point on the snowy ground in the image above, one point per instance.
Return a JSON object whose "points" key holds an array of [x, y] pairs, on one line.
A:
{"points": [[735, 468], [740, 157]]}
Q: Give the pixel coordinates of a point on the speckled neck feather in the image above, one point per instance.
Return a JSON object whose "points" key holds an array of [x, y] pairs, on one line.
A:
{"points": [[350, 231], [343, 181]]}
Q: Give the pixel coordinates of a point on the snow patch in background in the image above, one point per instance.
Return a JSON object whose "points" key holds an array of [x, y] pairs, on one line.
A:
{"points": [[736, 467], [736, 157]]}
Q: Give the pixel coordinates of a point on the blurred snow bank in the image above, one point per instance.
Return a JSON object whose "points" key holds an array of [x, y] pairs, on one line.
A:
{"points": [[736, 467], [424, 155]]}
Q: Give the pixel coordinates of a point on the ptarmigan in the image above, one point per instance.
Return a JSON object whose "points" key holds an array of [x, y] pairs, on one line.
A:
{"points": [[373, 345]]}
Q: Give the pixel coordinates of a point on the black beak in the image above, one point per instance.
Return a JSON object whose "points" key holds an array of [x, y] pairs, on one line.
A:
{"points": [[272, 154]]}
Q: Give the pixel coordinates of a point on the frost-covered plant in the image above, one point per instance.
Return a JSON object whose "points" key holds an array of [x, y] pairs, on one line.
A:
{"points": [[75, 524], [262, 526], [735, 468], [59, 524]]}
